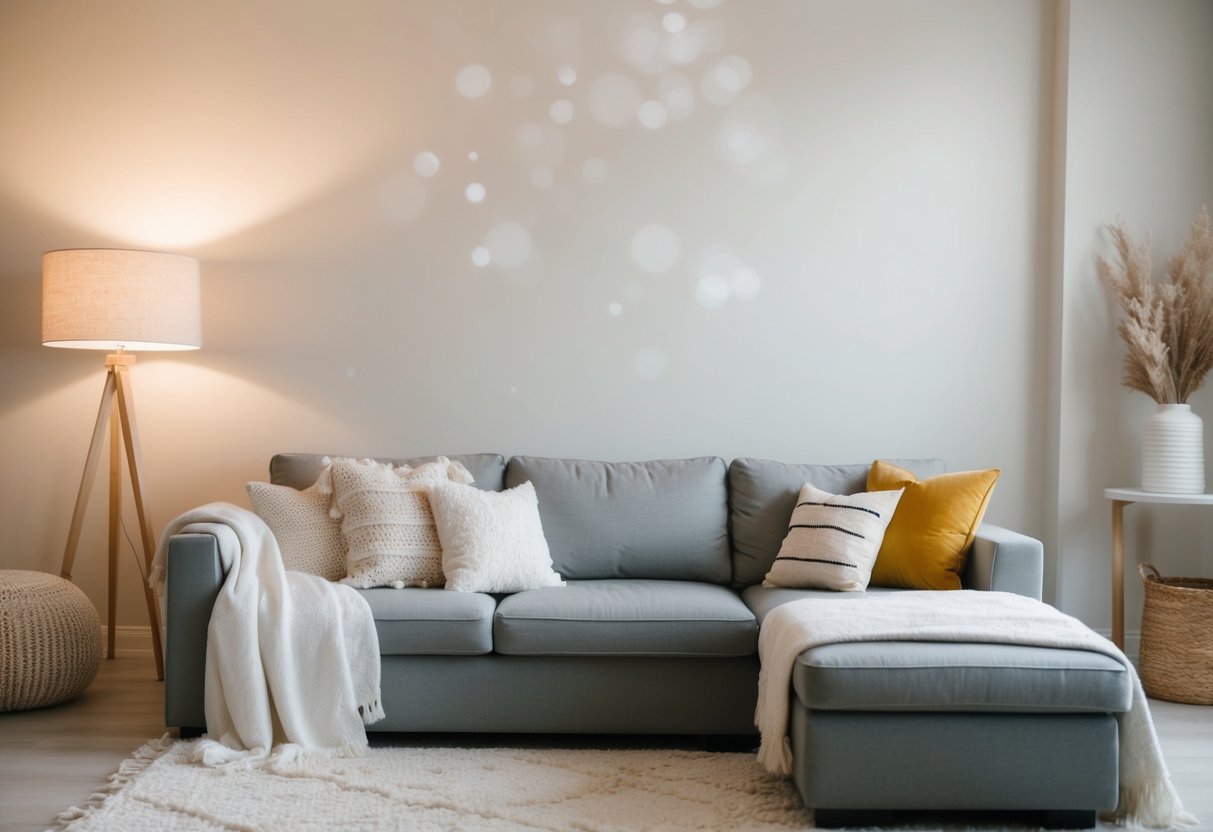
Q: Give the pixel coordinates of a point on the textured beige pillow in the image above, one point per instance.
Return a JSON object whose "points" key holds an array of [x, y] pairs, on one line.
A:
{"points": [[386, 521], [309, 538], [492, 541], [833, 540]]}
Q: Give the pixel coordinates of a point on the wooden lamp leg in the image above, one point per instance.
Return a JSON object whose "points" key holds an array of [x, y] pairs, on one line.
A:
{"points": [[134, 464], [115, 524], [116, 400], [90, 474]]}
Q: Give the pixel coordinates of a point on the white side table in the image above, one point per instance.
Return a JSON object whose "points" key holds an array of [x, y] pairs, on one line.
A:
{"points": [[1120, 498]]}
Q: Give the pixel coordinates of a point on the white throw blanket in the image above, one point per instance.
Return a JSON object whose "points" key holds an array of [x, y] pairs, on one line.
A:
{"points": [[1146, 793], [292, 660]]}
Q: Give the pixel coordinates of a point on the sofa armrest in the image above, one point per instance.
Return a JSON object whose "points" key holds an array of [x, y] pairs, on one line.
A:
{"points": [[194, 577], [1005, 561]]}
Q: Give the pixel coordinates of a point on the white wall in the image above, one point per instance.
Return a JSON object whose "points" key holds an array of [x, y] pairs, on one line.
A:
{"points": [[1139, 147], [886, 174]]}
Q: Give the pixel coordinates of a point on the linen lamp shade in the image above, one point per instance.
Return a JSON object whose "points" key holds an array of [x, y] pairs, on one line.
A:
{"points": [[111, 299]]}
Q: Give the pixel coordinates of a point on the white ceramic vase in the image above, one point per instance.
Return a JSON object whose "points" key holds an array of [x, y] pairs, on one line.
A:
{"points": [[1173, 451]]}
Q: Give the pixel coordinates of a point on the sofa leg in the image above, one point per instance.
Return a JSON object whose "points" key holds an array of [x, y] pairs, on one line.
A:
{"points": [[1068, 819], [835, 818], [189, 733]]}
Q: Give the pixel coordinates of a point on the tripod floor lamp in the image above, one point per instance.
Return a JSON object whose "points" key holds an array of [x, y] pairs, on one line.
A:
{"points": [[110, 299]]}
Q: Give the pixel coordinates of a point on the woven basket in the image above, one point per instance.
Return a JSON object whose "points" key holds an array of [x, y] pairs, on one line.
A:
{"points": [[1176, 659]]}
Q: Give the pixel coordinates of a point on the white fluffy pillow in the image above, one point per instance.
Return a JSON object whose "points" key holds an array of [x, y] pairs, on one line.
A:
{"points": [[833, 540], [386, 521], [310, 540], [492, 541]]}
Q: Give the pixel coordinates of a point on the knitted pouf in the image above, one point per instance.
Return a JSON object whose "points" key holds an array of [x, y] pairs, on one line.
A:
{"points": [[50, 640]]}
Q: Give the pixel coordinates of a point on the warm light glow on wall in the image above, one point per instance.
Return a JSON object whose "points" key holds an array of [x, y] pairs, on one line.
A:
{"points": [[213, 142]]}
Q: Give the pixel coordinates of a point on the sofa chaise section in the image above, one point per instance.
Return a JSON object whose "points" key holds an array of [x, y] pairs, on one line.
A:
{"points": [[879, 727]]}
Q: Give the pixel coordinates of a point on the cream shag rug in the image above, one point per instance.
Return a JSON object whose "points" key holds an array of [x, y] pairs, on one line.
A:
{"points": [[418, 789]]}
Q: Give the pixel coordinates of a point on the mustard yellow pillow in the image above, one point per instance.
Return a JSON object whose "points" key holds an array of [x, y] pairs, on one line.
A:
{"points": [[928, 539]]}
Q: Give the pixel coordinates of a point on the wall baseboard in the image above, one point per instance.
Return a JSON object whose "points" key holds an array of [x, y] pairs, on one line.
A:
{"points": [[128, 641]]}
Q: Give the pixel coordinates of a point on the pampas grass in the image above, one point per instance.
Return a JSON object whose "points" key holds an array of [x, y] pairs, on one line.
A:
{"points": [[1168, 323]]}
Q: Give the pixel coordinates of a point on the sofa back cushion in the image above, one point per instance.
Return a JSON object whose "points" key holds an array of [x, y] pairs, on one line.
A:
{"points": [[762, 495], [664, 519], [301, 470]]}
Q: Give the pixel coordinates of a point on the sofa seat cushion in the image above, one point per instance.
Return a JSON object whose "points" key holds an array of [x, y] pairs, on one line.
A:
{"points": [[634, 617], [948, 676], [762, 599], [434, 622], [945, 676]]}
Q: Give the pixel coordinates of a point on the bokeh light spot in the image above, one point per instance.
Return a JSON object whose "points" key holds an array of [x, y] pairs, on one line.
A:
{"points": [[656, 248], [508, 244], [473, 81], [722, 82], [426, 164], [480, 257], [723, 275], [616, 309], [673, 23], [684, 47], [652, 115], [474, 192], [566, 75], [641, 45], [677, 95], [712, 291], [561, 111]]}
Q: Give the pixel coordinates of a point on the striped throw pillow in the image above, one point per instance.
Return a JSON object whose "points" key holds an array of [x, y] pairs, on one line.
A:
{"points": [[833, 540]]}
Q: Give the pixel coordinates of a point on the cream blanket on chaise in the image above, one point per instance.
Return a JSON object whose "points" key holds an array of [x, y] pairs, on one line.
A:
{"points": [[1146, 793], [292, 660]]}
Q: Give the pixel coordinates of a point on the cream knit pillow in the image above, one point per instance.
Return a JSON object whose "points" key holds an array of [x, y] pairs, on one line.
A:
{"points": [[833, 540], [309, 538], [386, 521], [492, 541]]}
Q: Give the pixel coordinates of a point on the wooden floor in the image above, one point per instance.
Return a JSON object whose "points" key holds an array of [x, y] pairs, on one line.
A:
{"points": [[54, 758]]}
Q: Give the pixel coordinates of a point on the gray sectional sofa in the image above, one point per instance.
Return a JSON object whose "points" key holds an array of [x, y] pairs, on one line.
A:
{"points": [[657, 632]]}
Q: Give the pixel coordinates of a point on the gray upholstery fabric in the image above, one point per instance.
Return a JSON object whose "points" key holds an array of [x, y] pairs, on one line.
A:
{"points": [[415, 621], [665, 519], [195, 575], [301, 470], [861, 760], [569, 695], [946, 676], [1005, 561], [634, 617], [763, 599], [762, 494]]}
